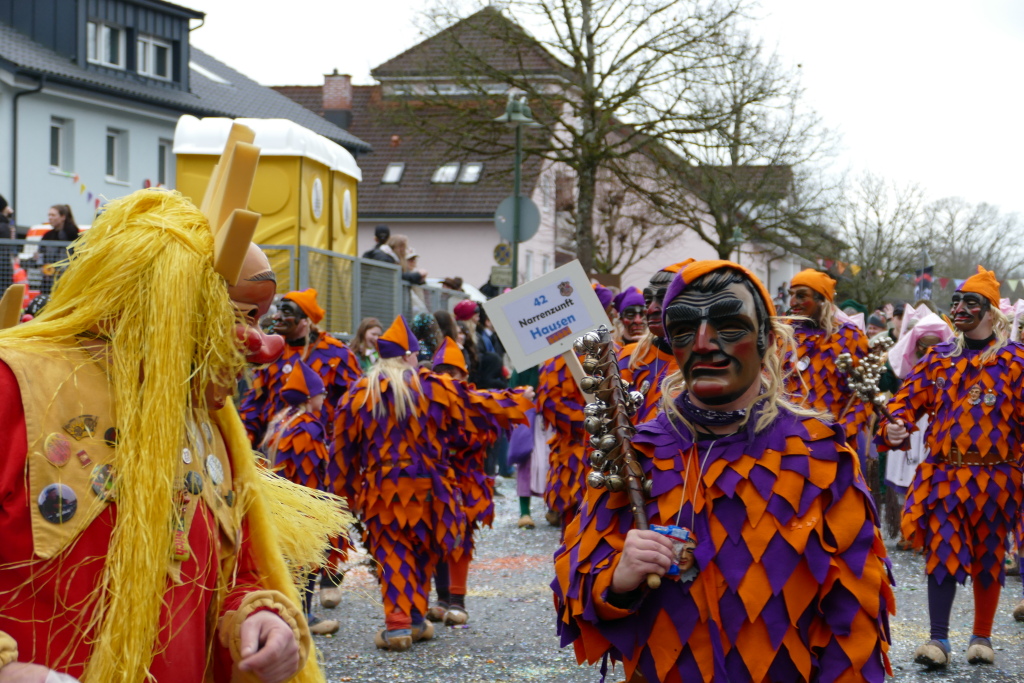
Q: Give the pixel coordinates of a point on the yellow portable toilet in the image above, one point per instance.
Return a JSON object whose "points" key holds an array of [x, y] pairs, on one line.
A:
{"points": [[305, 186]]}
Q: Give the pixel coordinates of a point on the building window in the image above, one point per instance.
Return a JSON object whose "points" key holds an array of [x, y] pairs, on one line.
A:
{"points": [[393, 173], [117, 155], [529, 265], [154, 57], [446, 173], [60, 144], [545, 264], [165, 163], [105, 45], [471, 172]]}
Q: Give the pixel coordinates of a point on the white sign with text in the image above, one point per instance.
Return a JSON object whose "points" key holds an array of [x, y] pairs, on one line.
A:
{"points": [[540, 319]]}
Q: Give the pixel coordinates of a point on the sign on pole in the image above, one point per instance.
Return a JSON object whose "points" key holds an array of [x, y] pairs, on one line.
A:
{"points": [[540, 319]]}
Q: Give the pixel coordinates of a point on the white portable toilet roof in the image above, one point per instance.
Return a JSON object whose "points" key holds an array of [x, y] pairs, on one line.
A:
{"points": [[274, 137]]}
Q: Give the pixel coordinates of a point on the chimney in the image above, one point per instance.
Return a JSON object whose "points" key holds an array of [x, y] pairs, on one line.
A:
{"points": [[337, 99]]}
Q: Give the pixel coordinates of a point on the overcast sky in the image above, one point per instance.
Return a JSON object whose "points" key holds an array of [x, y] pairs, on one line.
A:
{"points": [[922, 91]]}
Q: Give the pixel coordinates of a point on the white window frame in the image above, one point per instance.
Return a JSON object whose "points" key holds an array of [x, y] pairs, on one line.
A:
{"points": [[97, 37], [65, 162], [116, 156], [446, 174], [146, 47], [471, 172], [165, 148], [529, 265], [393, 173]]}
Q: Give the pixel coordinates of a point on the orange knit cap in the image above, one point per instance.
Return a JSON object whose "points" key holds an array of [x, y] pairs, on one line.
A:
{"points": [[450, 354], [819, 282], [698, 269], [984, 283], [676, 267], [306, 299]]}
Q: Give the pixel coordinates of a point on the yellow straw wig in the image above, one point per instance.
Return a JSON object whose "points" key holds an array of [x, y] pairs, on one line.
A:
{"points": [[143, 279]]}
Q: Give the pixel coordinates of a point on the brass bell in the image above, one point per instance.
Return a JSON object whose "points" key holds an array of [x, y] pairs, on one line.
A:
{"points": [[614, 482], [590, 364], [607, 442], [598, 458], [595, 442], [636, 398], [596, 480], [579, 347], [595, 408], [593, 425], [589, 384]]}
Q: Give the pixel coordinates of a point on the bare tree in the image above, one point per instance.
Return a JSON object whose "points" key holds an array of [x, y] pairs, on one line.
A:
{"points": [[883, 228], [960, 236], [607, 79], [758, 174]]}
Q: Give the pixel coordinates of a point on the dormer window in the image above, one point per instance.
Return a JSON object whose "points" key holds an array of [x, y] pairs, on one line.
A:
{"points": [[154, 58], [471, 172], [393, 173], [446, 173], [105, 45]]}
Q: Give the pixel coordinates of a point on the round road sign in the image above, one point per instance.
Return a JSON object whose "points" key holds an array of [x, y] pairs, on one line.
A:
{"points": [[529, 218]]}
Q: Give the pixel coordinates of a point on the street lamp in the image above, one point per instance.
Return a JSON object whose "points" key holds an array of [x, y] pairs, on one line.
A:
{"points": [[736, 239], [517, 113]]}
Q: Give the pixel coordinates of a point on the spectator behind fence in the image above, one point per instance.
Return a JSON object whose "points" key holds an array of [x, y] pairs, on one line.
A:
{"points": [[62, 229], [407, 260], [364, 342], [381, 251], [8, 252]]}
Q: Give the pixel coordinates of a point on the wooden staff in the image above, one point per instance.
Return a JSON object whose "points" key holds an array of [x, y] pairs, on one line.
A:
{"points": [[614, 462]]}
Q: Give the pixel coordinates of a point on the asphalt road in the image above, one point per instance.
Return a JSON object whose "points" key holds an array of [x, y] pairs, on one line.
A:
{"points": [[511, 637]]}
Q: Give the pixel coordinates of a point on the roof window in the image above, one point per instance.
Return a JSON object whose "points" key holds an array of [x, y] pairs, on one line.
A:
{"points": [[393, 173], [471, 172], [446, 173]]}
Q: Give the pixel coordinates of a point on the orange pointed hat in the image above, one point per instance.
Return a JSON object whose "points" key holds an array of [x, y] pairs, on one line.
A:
{"points": [[306, 299], [397, 341], [302, 384], [449, 353], [983, 282], [818, 281]]}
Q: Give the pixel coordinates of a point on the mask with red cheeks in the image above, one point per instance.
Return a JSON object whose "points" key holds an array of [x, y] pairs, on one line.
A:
{"points": [[252, 296], [805, 302], [717, 342], [967, 310]]}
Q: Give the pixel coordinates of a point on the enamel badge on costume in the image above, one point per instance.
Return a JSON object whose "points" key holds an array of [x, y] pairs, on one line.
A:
{"points": [[803, 363], [990, 398], [230, 499], [214, 469], [287, 369], [180, 550], [57, 449], [81, 426], [940, 382], [193, 483], [57, 503], [974, 395], [186, 456], [207, 432], [110, 437], [103, 482], [83, 458]]}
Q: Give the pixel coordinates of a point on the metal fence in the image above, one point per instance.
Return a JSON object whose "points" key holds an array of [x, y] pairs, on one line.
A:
{"points": [[348, 288]]}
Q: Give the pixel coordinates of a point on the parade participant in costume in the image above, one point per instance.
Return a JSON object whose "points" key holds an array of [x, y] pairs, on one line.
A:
{"points": [[296, 448], [632, 316], [395, 430], [475, 488], [650, 360], [140, 541], [820, 339], [776, 570], [966, 495], [296, 319], [560, 404], [922, 330]]}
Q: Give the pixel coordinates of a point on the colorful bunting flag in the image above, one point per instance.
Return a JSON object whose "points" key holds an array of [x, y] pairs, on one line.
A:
{"points": [[855, 268], [943, 282]]}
